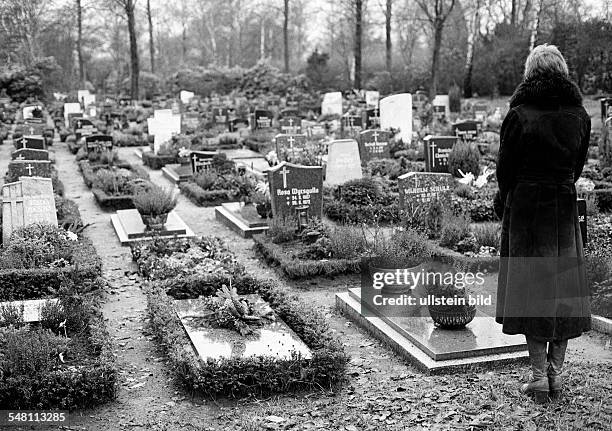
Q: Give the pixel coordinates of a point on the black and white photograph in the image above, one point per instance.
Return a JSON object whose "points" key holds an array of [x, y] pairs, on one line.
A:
{"points": [[323, 215]]}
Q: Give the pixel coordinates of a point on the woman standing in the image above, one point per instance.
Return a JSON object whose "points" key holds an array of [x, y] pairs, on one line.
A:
{"points": [[542, 290]]}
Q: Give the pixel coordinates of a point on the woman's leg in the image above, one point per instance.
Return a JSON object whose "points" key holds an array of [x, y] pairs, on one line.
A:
{"points": [[538, 386], [556, 356]]}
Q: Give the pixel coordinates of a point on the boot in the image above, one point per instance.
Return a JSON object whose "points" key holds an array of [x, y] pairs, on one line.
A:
{"points": [[556, 356], [538, 386]]}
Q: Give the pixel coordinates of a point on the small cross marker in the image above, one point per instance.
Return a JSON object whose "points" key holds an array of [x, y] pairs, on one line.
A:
{"points": [[284, 173], [29, 168]]}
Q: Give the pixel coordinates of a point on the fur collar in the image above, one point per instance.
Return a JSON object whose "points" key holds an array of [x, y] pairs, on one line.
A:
{"points": [[545, 89]]}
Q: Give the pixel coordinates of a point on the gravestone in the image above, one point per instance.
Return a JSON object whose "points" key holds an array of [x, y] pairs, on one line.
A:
{"points": [[372, 98], [419, 99], [332, 104], [27, 201], [71, 108], [582, 219], [396, 113], [293, 186], [352, 123], [315, 130], [293, 101], [201, 160], [466, 130], [219, 116], [480, 111], [441, 106], [83, 127], [33, 129], [261, 119], [291, 125], [31, 307], [237, 124], [98, 143], [343, 162], [374, 144], [162, 126], [437, 150], [371, 118], [29, 154], [186, 96], [289, 143], [191, 121], [420, 189], [33, 142], [29, 168], [29, 112], [606, 108]]}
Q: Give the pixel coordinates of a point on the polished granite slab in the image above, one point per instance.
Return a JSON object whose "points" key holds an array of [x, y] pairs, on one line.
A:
{"points": [[129, 227], [245, 223], [273, 339]]}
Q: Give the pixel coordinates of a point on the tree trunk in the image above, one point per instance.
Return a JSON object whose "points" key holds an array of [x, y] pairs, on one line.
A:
{"points": [[134, 66], [536, 25], [435, 62], [474, 23], [286, 35], [151, 45], [262, 39], [358, 18], [388, 45], [513, 13], [79, 43]]}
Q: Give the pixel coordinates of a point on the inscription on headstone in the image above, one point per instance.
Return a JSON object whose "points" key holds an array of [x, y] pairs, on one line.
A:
{"points": [[582, 219], [466, 130], [98, 143], [374, 144], [261, 119], [289, 143], [294, 186], [291, 125], [420, 189], [437, 150], [201, 160]]}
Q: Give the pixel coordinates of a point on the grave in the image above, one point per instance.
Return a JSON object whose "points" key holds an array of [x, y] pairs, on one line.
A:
{"points": [[220, 116], [261, 119], [242, 219], [606, 108], [31, 307], [374, 144], [178, 173], [32, 111], [466, 130], [273, 339], [286, 143], [83, 127], [29, 154], [162, 126], [71, 108], [441, 107], [419, 189], [32, 142], [237, 124], [352, 123], [29, 200], [372, 98], [437, 150], [293, 186], [33, 129], [396, 113], [190, 121], [29, 168], [291, 125], [201, 160], [186, 96], [129, 227], [98, 143], [343, 162], [371, 118], [432, 349], [332, 104]]}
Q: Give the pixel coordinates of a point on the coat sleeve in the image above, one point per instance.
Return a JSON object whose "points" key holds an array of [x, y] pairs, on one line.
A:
{"points": [[509, 154], [584, 148]]}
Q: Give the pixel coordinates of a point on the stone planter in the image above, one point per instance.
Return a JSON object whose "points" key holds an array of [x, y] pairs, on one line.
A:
{"points": [[452, 317], [154, 222]]}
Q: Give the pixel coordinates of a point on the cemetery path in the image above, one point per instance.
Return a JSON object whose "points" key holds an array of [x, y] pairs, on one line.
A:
{"points": [[383, 393]]}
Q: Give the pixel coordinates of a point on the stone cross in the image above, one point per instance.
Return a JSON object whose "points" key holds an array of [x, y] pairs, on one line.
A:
{"points": [[284, 173], [29, 169]]}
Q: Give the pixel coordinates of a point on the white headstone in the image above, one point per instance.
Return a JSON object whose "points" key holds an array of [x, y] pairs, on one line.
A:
{"points": [[28, 111], [71, 108], [396, 113], [186, 96], [343, 162], [442, 100], [332, 104], [372, 98], [162, 126]]}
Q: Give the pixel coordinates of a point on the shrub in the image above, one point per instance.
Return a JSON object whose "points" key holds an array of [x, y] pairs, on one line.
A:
{"points": [[282, 230], [390, 168], [464, 191], [154, 200], [227, 140], [358, 192], [29, 352], [465, 157], [114, 182], [206, 179], [11, 315], [346, 242], [403, 248], [455, 228]]}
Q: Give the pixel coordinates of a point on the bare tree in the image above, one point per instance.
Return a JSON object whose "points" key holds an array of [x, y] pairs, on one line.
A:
{"points": [[151, 43], [536, 24], [388, 42], [286, 35], [79, 13], [20, 22], [473, 20], [358, 35], [129, 8], [436, 11]]}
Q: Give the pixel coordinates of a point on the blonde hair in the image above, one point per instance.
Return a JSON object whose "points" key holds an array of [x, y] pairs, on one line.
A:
{"points": [[545, 59]]}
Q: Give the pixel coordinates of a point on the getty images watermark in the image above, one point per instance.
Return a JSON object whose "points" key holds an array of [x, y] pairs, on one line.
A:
{"points": [[408, 292]]}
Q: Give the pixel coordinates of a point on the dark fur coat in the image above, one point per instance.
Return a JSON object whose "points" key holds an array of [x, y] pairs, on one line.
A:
{"points": [[542, 290]]}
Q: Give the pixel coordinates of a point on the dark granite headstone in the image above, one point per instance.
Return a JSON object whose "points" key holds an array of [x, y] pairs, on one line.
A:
{"points": [[466, 130], [437, 150], [374, 144], [33, 142], [480, 111], [582, 219], [419, 189], [371, 118], [219, 116], [33, 129], [29, 154], [352, 123], [289, 143], [294, 186], [261, 119], [317, 131], [291, 125], [29, 168], [201, 160], [98, 143]]}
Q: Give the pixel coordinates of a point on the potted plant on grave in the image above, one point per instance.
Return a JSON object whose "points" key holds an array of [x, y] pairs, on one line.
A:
{"points": [[403, 249], [449, 306], [183, 156], [154, 203], [261, 199]]}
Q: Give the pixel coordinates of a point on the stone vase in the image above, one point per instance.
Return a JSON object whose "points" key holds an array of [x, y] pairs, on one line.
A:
{"points": [[154, 222]]}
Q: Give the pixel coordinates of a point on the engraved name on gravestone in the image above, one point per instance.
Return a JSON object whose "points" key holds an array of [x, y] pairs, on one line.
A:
{"points": [[374, 144], [98, 143], [261, 119], [289, 143], [437, 150], [291, 125], [33, 142], [29, 154], [343, 162], [294, 186], [420, 189], [27, 201], [29, 168], [466, 130], [201, 160]]}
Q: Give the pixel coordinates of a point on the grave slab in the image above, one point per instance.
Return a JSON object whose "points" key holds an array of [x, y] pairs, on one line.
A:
{"points": [[177, 173], [129, 227], [273, 339], [480, 345], [232, 215]]}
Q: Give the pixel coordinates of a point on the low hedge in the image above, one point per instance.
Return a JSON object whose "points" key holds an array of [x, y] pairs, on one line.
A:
{"points": [[204, 198], [89, 170], [68, 388], [300, 268], [36, 283], [255, 376], [112, 202], [344, 212], [157, 161]]}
